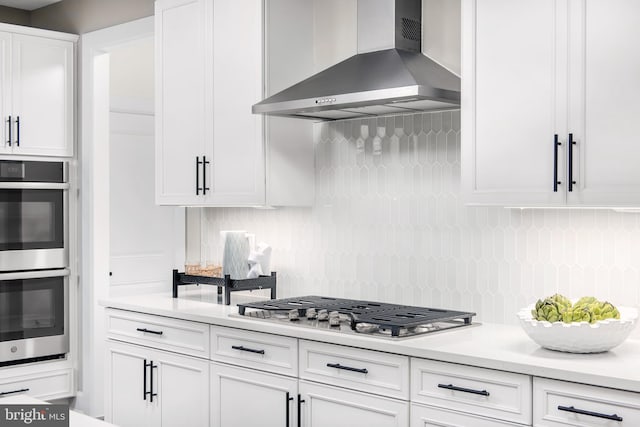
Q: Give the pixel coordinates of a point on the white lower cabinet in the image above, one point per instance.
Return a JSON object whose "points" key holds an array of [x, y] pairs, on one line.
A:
{"points": [[272, 398], [248, 378], [427, 416], [559, 403], [37, 381], [323, 405], [154, 388], [471, 390]]}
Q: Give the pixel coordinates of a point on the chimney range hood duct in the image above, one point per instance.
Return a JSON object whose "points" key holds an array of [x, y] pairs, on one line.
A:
{"points": [[389, 75]]}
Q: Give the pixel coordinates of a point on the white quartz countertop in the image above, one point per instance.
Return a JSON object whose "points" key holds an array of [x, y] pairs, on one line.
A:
{"points": [[495, 346]]}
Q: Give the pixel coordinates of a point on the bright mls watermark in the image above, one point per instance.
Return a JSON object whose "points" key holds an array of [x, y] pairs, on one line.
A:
{"points": [[34, 415]]}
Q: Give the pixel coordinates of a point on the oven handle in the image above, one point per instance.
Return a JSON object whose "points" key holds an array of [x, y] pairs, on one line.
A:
{"points": [[34, 185], [34, 274]]}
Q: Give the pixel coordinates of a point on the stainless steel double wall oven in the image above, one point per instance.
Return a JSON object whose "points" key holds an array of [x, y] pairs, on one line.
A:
{"points": [[34, 260]]}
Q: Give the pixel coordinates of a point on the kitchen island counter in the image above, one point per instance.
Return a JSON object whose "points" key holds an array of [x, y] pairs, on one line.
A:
{"points": [[494, 346]]}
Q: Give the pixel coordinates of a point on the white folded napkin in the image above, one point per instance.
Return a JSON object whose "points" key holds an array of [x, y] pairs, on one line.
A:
{"points": [[259, 261]]}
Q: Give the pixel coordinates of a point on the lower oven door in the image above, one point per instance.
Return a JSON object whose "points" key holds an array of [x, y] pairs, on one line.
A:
{"points": [[34, 315]]}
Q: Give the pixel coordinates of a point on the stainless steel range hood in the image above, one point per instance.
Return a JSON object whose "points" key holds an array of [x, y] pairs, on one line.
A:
{"points": [[389, 75]]}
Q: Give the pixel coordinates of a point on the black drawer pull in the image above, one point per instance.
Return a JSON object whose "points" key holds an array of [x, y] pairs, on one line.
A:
{"points": [[348, 368], [613, 417], [145, 330], [14, 391], [250, 350], [465, 390]]}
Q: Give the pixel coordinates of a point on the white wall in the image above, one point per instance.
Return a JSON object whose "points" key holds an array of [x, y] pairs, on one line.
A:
{"points": [[83, 16], [392, 227], [131, 77], [441, 30]]}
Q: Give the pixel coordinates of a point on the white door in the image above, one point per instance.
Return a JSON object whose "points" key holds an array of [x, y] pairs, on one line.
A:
{"points": [[512, 101], [236, 172], [182, 389], [126, 404], [42, 95], [605, 102], [426, 416], [143, 235], [332, 406], [271, 398], [5, 99], [183, 98]]}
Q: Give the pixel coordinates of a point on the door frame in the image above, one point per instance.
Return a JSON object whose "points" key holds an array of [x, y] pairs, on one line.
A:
{"points": [[93, 149]]}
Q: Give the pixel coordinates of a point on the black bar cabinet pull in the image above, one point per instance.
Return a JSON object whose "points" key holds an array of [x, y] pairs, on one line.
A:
{"points": [[22, 390], [144, 379], [9, 140], [151, 393], [250, 350], [204, 175], [348, 368], [465, 390], [300, 402], [149, 331], [198, 163], [570, 144], [287, 411], [556, 144], [18, 131], [613, 417]]}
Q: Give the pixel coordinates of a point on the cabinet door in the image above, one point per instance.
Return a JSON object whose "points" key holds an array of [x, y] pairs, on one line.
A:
{"points": [[271, 398], [236, 172], [426, 416], [182, 390], [605, 102], [512, 101], [42, 95], [331, 406], [183, 98], [126, 405], [5, 98]]}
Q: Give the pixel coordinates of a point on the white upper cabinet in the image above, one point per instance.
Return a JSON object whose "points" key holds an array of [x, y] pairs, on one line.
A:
{"points": [[37, 89], [215, 59], [209, 147], [509, 102], [604, 70], [183, 106], [5, 101], [237, 164], [537, 74]]}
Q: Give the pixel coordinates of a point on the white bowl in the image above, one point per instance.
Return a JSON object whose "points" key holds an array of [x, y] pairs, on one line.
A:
{"points": [[579, 337]]}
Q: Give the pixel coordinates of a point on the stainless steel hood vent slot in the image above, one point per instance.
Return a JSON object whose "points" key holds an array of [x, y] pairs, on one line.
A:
{"points": [[412, 30], [377, 81]]}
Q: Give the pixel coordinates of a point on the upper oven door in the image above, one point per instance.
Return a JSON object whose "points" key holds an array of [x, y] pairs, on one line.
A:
{"points": [[33, 215], [33, 228]]}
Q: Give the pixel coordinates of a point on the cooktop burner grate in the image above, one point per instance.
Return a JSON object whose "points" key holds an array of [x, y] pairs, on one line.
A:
{"points": [[391, 317]]}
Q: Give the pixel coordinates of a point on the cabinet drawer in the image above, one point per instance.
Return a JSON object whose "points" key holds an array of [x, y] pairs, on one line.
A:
{"points": [[428, 416], [558, 403], [43, 385], [484, 392], [327, 406], [365, 370], [267, 352], [180, 336]]}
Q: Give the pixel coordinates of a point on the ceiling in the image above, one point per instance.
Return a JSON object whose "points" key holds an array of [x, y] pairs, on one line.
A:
{"points": [[27, 4]]}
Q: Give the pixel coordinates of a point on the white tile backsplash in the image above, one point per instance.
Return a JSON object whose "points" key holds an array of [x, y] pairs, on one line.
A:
{"points": [[388, 224]]}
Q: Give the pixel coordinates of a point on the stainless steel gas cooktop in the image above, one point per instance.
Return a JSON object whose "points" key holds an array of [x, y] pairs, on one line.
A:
{"points": [[354, 316]]}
